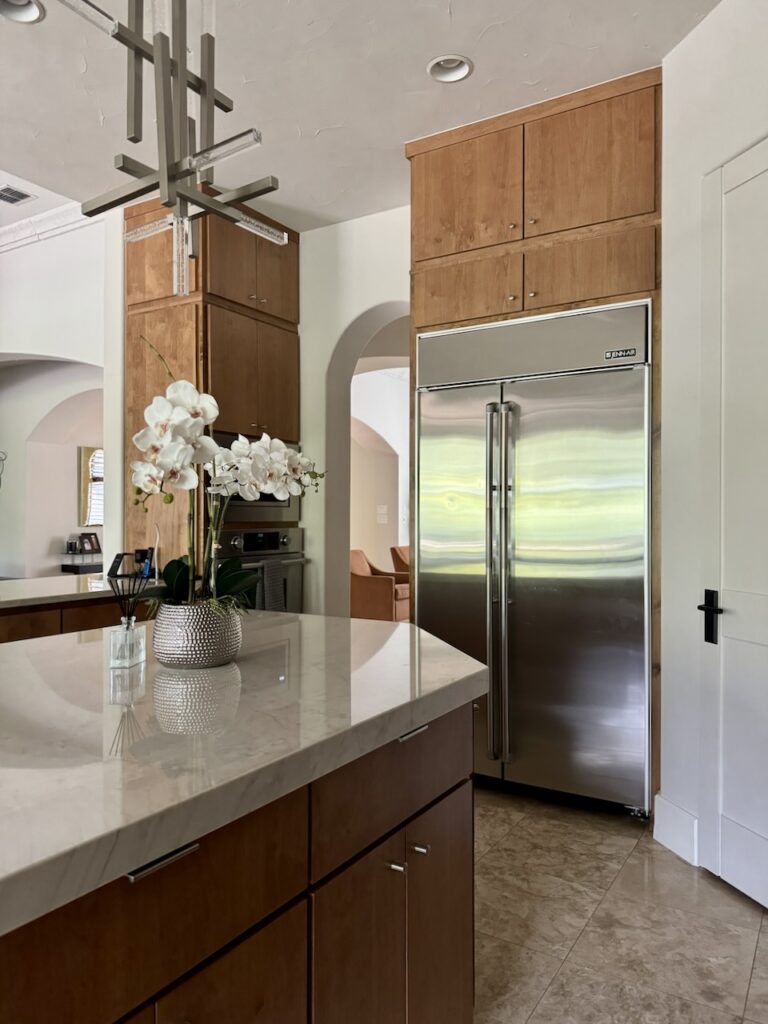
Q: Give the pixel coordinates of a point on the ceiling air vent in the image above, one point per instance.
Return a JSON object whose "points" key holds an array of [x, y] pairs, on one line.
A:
{"points": [[14, 196]]}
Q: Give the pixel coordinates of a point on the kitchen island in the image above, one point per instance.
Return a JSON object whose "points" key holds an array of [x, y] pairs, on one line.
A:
{"points": [[281, 839], [47, 605]]}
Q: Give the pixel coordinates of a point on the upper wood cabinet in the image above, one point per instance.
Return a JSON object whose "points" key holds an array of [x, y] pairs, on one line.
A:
{"points": [[467, 195], [592, 164], [467, 289], [149, 262], [250, 271], [253, 369]]}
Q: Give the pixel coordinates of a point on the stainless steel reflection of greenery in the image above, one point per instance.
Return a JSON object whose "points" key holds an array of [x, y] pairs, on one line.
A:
{"points": [[578, 508]]}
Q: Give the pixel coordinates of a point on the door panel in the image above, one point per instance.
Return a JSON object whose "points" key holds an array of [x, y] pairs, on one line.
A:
{"points": [[576, 584], [231, 262], [277, 277], [278, 389], [440, 912], [359, 940], [233, 369], [468, 195], [590, 165], [463, 291]]}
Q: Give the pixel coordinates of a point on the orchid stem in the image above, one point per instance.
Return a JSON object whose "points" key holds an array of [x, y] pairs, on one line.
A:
{"points": [[191, 545], [159, 355]]}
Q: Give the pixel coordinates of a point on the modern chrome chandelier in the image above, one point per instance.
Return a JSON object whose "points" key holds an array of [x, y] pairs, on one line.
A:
{"points": [[187, 152]]}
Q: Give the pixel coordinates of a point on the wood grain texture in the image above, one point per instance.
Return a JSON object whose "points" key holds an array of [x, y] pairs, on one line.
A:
{"points": [[149, 263], [417, 770], [27, 624], [589, 165], [441, 911], [359, 941], [593, 94], [143, 1016], [467, 196], [175, 331], [481, 287], [591, 268], [262, 980], [86, 615], [277, 279], [279, 385], [93, 960]]}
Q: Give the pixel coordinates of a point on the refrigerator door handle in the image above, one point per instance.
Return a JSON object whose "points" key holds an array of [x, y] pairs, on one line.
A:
{"points": [[492, 575], [504, 488]]}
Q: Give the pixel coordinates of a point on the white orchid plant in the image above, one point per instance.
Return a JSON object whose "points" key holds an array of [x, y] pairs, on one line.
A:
{"points": [[178, 450]]}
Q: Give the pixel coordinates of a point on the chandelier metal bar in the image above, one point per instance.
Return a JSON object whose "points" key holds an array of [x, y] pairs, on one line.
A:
{"points": [[262, 187], [135, 90], [179, 73], [164, 101], [212, 204], [207, 107]]}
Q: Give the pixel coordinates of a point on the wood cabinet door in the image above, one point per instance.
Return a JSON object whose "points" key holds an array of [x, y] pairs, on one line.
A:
{"points": [[277, 279], [591, 268], [149, 262], [278, 382], [440, 912], [233, 369], [463, 291], [174, 331], [467, 195], [145, 1016], [592, 164], [26, 624], [359, 940], [231, 262], [262, 980]]}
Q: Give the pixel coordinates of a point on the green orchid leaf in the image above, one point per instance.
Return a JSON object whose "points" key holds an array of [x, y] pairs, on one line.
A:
{"points": [[176, 576], [236, 582]]}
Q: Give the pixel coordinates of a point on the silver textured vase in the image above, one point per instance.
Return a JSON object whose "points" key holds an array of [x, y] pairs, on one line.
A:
{"points": [[196, 636]]}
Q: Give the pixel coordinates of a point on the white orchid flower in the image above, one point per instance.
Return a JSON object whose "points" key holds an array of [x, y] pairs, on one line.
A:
{"points": [[184, 395], [174, 460], [204, 447], [149, 442], [146, 476]]}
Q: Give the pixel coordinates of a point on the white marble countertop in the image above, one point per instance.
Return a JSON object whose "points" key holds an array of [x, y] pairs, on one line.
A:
{"points": [[42, 590], [102, 772]]}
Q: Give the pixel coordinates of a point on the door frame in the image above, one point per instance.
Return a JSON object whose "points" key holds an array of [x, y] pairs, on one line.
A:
{"points": [[715, 186]]}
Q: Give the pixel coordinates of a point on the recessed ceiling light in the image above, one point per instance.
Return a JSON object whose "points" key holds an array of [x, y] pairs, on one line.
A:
{"points": [[25, 11], [451, 67]]}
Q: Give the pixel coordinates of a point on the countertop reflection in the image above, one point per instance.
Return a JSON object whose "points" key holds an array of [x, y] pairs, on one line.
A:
{"points": [[103, 770]]}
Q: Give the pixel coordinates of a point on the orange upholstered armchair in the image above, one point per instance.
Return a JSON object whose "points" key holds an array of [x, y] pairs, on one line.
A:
{"points": [[376, 594], [401, 558]]}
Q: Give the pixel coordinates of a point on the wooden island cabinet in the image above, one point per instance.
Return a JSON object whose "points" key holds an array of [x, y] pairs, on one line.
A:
{"points": [[349, 899]]}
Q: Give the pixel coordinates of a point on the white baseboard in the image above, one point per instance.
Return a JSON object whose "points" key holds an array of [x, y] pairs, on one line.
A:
{"points": [[676, 829]]}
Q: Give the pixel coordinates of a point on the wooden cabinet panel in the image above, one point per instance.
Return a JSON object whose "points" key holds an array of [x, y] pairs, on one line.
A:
{"points": [[145, 1016], [591, 268], [463, 291], [89, 615], [174, 331], [277, 279], [115, 948], [592, 164], [440, 912], [418, 768], [26, 625], [149, 263], [278, 388], [233, 369], [253, 370], [262, 980], [467, 195], [359, 940]]}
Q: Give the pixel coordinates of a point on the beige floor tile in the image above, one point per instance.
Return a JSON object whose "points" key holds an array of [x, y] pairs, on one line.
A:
{"points": [[508, 870], [581, 996], [493, 823], [502, 798], [656, 875], [757, 1001], [509, 980], [672, 950], [560, 853], [615, 824], [566, 831], [548, 924]]}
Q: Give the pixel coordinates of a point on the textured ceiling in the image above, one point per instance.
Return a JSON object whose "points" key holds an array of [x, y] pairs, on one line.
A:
{"points": [[336, 86]]}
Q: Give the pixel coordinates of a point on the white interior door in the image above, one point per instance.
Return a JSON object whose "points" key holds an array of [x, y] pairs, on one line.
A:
{"points": [[734, 813]]}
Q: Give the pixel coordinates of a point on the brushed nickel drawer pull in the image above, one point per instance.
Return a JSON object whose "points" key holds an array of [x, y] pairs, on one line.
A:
{"points": [[399, 868], [423, 849], [512, 227], [412, 733], [256, 297], [531, 295], [161, 862], [511, 298], [532, 220]]}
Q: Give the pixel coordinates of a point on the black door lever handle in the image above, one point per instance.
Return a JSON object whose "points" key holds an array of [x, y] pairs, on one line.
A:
{"points": [[711, 610]]}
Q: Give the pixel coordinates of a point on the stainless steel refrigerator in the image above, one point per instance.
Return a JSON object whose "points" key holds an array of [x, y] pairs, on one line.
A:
{"points": [[532, 549]]}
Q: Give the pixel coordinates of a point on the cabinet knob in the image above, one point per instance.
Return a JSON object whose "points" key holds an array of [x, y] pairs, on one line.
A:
{"points": [[512, 227], [399, 868], [511, 298], [256, 297], [423, 850], [531, 295], [532, 220]]}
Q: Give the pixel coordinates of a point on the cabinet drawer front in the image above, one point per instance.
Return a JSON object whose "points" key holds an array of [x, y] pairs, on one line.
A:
{"points": [[359, 940], [355, 805], [591, 165], [591, 268], [467, 195], [90, 615], [464, 291], [113, 949], [262, 980], [26, 625]]}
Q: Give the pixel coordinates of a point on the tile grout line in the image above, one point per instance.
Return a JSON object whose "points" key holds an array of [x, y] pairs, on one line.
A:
{"points": [[752, 970]]}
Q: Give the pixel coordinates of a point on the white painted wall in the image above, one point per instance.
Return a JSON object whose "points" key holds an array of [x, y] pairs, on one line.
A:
{"points": [[114, 374], [354, 281], [715, 99], [373, 495], [381, 399]]}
